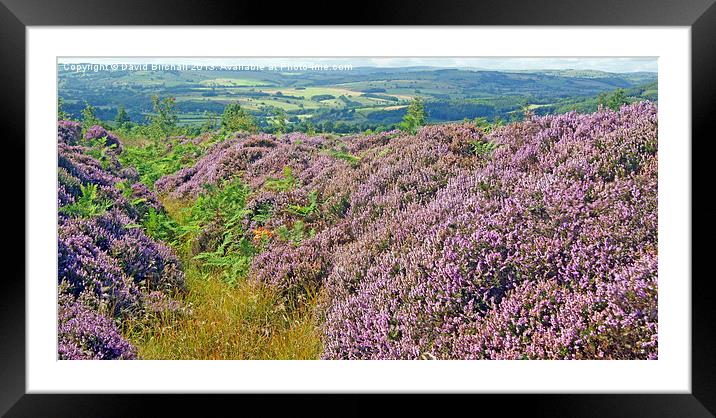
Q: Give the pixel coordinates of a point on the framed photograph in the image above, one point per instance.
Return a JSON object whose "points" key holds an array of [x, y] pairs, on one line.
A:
{"points": [[495, 204]]}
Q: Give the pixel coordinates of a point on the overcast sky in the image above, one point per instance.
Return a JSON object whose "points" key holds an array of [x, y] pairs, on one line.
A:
{"points": [[611, 64]]}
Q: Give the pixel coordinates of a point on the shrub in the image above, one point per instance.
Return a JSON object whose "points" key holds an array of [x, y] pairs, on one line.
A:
{"points": [[236, 119], [84, 334], [88, 204], [546, 249], [109, 270]]}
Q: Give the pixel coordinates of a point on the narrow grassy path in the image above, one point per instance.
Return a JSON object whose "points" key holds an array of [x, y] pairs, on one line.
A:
{"points": [[225, 322], [222, 321]]}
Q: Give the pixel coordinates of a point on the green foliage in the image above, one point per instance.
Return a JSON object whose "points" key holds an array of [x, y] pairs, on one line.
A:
{"points": [[87, 205], [296, 234], [382, 153], [227, 201], [483, 148], [159, 158], [126, 189], [284, 183], [279, 121], [262, 214], [524, 106], [159, 225], [89, 116], [122, 119], [308, 210], [232, 257], [415, 116], [602, 99], [61, 114], [310, 129], [483, 124], [448, 95], [351, 159], [321, 97], [162, 123], [617, 99], [236, 119], [211, 122], [613, 100], [97, 148]]}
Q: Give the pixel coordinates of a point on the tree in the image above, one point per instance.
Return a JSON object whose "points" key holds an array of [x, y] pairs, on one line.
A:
{"points": [[617, 99], [89, 116], [525, 107], [122, 119], [602, 100], [415, 117], [341, 127], [279, 121], [310, 130], [614, 100], [235, 119], [163, 120], [210, 121], [61, 114]]}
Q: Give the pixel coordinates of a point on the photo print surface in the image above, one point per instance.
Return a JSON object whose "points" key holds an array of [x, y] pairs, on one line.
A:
{"points": [[357, 208]]}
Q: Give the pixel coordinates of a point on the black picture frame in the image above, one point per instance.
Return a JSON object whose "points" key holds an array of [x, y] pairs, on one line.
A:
{"points": [[15, 15]]}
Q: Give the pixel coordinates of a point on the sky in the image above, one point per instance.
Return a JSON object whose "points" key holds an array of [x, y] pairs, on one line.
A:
{"points": [[610, 64]]}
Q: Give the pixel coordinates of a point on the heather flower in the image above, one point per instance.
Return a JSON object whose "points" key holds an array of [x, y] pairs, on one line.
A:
{"points": [[68, 132], [108, 268], [84, 334], [543, 246]]}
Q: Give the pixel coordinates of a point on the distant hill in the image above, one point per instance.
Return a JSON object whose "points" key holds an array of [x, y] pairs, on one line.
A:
{"points": [[357, 99]]}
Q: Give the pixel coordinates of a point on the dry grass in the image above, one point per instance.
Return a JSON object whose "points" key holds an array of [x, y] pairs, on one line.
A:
{"points": [[245, 321], [137, 142]]}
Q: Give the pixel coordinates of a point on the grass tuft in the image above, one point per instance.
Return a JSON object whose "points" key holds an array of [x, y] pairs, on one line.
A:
{"points": [[241, 322]]}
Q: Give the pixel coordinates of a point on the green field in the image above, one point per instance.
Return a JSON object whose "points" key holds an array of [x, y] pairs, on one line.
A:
{"points": [[233, 82], [348, 101]]}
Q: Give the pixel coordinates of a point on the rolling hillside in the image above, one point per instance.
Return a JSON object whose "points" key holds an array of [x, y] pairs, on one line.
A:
{"points": [[347, 101]]}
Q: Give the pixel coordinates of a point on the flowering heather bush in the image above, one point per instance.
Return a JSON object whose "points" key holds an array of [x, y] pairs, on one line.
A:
{"points": [[68, 132], [546, 251], [84, 334], [111, 141], [104, 257], [86, 267], [222, 162], [76, 169], [257, 156], [144, 199], [537, 240], [84, 167]]}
